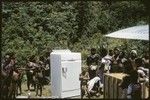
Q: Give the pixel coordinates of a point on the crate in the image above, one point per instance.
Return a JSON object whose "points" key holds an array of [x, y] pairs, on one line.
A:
{"points": [[112, 89]]}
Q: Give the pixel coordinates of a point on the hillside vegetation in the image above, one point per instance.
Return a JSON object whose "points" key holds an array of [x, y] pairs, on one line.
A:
{"points": [[34, 28]]}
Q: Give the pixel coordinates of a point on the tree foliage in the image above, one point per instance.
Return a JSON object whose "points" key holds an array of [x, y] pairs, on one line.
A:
{"points": [[33, 28]]}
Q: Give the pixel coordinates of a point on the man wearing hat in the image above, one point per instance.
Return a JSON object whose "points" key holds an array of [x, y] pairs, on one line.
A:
{"points": [[133, 56]]}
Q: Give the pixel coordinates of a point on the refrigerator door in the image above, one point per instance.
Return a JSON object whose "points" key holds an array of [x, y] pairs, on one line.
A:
{"points": [[55, 75], [70, 75]]}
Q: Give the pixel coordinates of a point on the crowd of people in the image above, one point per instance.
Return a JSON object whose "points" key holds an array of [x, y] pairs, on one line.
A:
{"points": [[92, 77], [134, 66], [37, 72]]}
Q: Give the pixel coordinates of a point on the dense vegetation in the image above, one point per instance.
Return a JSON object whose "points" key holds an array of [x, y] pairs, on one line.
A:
{"points": [[33, 28]]}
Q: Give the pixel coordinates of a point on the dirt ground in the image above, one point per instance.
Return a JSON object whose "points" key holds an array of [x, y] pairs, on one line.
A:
{"points": [[46, 92]]}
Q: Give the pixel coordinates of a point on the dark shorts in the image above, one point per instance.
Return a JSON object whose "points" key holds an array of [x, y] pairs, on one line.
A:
{"points": [[29, 76]]}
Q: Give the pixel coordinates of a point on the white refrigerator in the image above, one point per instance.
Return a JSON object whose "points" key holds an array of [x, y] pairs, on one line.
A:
{"points": [[65, 70]]}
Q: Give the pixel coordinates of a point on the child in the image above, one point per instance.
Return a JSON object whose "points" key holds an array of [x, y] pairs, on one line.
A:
{"points": [[39, 80], [84, 77]]}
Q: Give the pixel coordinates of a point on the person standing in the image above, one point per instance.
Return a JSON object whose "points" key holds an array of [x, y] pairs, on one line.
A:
{"points": [[47, 67], [115, 57], [107, 61], [30, 72], [121, 60], [92, 63], [133, 56], [7, 73]]}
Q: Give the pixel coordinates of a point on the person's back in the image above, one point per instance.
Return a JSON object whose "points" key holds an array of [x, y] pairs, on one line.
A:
{"points": [[127, 66], [134, 88], [135, 91]]}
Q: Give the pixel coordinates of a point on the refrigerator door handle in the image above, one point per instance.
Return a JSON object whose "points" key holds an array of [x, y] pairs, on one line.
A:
{"points": [[64, 69]]}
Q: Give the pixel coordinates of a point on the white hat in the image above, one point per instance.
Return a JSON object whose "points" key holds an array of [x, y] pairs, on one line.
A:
{"points": [[134, 51]]}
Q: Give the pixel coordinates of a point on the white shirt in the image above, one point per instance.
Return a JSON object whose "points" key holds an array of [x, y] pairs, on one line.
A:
{"points": [[143, 71], [92, 82]]}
